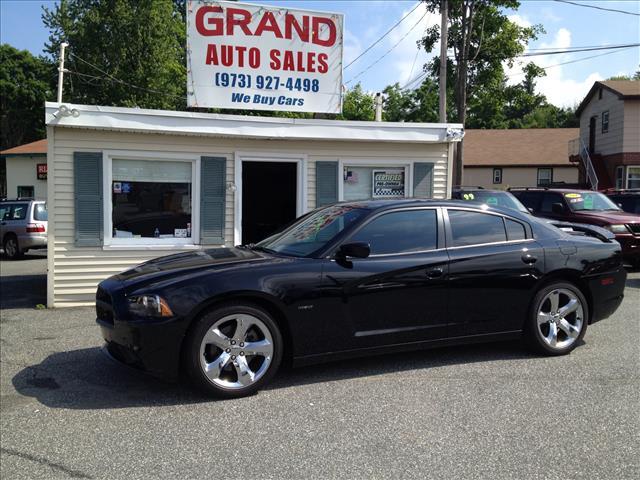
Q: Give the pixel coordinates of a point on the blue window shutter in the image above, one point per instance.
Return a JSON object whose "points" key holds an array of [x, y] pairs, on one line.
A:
{"points": [[326, 183], [422, 179], [87, 181], [213, 180]]}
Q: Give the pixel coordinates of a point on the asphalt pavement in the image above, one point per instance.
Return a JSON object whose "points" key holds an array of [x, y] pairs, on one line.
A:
{"points": [[483, 411]]}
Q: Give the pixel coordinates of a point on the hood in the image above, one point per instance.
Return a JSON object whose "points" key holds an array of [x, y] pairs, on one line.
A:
{"points": [[608, 217], [190, 262]]}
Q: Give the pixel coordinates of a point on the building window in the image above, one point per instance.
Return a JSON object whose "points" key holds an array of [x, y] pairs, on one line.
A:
{"points": [[151, 201], [619, 177], [605, 121], [25, 192], [600, 94], [633, 176], [545, 176], [363, 183], [497, 175]]}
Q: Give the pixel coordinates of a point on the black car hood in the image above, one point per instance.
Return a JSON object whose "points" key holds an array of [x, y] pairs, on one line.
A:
{"points": [[174, 265]]}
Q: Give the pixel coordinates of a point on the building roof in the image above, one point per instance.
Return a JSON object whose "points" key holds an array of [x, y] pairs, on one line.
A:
{"points": [[518, 148], [38, 147], [624, 89], [140, 120]]}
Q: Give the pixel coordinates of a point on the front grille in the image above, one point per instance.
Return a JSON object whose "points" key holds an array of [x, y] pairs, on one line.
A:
{"points": [[634, 227], [104, 306]]}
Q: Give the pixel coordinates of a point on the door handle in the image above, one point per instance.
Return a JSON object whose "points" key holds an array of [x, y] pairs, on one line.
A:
{"points": [[435, 273], [529, 259]]}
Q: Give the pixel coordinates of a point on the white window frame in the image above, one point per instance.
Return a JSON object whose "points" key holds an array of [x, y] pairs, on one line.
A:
{"points": [[620, 179], [379, 162], [109, 241], [626, 179], [300, 159], [538, 177]]}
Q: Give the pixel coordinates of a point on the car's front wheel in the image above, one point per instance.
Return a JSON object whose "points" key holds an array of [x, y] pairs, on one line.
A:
{"points": [[558, 319], [232, 351]]}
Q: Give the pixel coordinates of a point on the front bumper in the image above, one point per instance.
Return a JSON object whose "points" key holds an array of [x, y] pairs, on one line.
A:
{"points": [[150, 347]]}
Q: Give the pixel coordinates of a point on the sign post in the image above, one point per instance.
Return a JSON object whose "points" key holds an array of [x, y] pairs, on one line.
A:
{"points": [[260, 57]]}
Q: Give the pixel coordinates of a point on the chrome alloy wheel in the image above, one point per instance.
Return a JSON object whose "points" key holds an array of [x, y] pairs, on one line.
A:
{"points": [[236, 351], [560, 318], [11, 247]]}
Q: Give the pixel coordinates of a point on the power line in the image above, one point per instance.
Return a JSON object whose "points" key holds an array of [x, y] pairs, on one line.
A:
{"points": [[380, 39], [575, 50], [388, 51], [599, 8]]}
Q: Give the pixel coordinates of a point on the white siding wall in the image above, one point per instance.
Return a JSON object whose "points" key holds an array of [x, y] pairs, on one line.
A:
{"points": [[610, 142], [22, 171], [74, 271], [631, 141]]}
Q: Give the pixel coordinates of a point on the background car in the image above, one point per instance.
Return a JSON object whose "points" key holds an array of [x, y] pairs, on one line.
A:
{"points": [[23, 226], [588, 207], [360, 278], [627, 200], [493, 198]]}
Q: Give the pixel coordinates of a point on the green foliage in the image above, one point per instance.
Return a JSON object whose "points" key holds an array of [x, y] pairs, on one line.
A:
{"points": [[358, 105], [420, 105], [139, 43], [26, 82]]}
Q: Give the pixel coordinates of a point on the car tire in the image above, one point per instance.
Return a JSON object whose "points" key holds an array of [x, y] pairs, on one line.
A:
{"points": [[11, 247], [557, 319], [233, 350]]}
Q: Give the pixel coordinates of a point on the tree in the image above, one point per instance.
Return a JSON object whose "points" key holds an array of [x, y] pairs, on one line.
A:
{"points": [[121, 52], [25, 84], [482, 37], [358, 105]]}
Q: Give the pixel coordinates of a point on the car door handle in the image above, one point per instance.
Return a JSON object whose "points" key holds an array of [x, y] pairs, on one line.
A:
{"points": [[435, 273], [529, 259]]}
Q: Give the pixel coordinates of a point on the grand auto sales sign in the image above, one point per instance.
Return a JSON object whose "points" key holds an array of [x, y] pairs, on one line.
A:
{"points": [[257, 57]]}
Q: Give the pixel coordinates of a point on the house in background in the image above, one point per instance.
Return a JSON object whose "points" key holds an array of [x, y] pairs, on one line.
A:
{"points": [[518, 158], [26, 170], [608, 147]]}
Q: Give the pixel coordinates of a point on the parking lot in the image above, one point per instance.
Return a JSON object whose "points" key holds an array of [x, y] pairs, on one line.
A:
{"points": [[484, 411]]}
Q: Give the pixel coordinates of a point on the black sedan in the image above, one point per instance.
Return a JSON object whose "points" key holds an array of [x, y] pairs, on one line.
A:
{"points": [[356, 279]]}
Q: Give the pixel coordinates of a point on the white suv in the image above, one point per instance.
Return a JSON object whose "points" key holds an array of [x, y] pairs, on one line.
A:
{"points": [[23, 226]]}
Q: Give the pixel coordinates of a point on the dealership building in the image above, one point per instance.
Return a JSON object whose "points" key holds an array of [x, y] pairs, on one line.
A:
{"points": [[127, 184]]}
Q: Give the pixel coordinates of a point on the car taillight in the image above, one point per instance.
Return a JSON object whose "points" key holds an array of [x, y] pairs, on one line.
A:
{"points": [[35, 228]]}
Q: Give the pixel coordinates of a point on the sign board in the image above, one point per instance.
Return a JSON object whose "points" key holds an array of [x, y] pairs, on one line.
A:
{"points": [[41, 171], [259, 57], [388, 183]]}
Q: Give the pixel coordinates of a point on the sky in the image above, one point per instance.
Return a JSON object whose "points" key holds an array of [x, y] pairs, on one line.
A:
{"points": [[365, 21]]}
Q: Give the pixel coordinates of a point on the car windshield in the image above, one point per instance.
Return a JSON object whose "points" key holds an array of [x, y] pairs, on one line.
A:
{"points": [[495, 199], [590, 201], [313, 231]]}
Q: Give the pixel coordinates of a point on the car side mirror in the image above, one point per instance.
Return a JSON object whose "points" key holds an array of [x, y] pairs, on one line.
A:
{"points": [[355, 250], [557, 207], [530, 209]]}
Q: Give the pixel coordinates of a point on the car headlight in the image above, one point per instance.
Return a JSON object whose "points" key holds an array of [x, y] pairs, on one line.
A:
{"points": [[618, 228], [149, 306]]}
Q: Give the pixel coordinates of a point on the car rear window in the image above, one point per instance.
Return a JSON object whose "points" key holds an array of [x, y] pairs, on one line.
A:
{"points": [[40, 212], [474, 228]]}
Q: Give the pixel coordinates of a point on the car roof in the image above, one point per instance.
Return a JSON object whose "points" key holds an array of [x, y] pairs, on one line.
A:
{"points": [[479, 189], [558, 190], [390, 204]]}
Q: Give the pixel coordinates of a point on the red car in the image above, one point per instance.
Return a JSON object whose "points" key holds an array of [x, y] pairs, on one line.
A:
{"points": [[586, 206]]}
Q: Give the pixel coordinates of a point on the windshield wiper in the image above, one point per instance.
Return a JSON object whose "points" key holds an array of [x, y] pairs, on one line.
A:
{"points": [[258, 248]]}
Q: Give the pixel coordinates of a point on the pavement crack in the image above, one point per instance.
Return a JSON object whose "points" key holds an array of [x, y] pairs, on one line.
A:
{"points": [[43, 461]]}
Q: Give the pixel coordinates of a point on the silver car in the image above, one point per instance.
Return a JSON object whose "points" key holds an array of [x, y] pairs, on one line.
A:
{"points": [[23, 226]]}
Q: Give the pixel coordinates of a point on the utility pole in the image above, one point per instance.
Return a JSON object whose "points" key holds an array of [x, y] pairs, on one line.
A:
{"points": [[444, 34], [61, 70]]}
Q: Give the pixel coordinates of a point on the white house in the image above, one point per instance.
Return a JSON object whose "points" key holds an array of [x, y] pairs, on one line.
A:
{"points": [[127, 185], [26, 170]]}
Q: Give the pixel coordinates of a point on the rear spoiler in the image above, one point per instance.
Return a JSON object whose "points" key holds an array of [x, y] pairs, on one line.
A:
{"points": [[582, 229]]}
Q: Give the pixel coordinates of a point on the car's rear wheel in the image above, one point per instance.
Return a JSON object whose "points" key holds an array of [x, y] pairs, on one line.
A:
{"points": [[12, 247], [234, 350], [558, 319]]}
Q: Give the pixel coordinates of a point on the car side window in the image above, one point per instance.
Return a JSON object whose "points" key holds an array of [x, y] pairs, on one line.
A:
{"points": [[529, 199], [548, 199], [400, 232], [5, 211], [515, 230], [475, 228], [19, 211]]}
